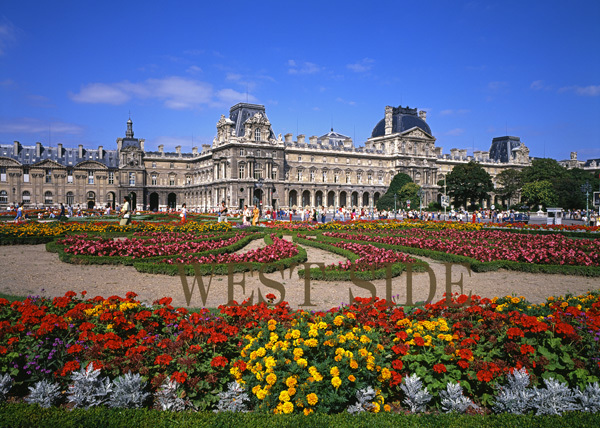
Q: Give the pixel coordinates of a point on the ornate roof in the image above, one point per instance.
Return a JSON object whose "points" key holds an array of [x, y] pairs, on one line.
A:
{"points": [[403, 119]]}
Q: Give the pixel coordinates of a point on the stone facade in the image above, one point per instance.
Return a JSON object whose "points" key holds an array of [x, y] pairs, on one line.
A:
{"points": [[246, 164]]}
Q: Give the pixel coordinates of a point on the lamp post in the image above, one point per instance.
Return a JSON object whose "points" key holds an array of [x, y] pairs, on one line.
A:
{"points": [[421, 194], [587, 188], [395, 211]]}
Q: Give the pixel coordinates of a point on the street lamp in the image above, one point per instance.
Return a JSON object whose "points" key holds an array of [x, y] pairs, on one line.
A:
{"points": [[421, 194], [587, 188], [395, 196]]}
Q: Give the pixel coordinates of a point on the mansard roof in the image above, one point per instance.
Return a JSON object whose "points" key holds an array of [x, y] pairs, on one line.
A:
{"points": [[69, 156]]}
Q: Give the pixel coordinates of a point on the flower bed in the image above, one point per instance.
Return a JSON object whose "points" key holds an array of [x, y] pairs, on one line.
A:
{"points": [[291, 362]]}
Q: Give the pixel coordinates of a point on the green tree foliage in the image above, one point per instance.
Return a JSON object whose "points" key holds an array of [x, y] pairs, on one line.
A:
{"points": [[468, 182], [543, 170], [409, 192], [386, 202], [508, 184], [539, 193]]}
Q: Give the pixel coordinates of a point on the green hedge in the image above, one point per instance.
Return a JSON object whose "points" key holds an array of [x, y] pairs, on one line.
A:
{"points": [[26, 240], [23, 415], [344, 275]]}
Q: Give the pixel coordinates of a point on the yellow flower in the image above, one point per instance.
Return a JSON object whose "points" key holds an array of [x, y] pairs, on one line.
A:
{"points": [[295, 334], [336, 382], [271, 378], [339, 320], [284, 396], [291, 382], [287, 407], [291, 391], [353, 364], [385, 373], [307, 412], [261, 352], [302, 362], [261, 394], [375, 408], [334, 371], [312, 399], [351, 378], [387, 408]]}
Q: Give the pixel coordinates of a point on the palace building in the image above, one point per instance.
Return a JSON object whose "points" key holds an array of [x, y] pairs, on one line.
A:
{"points": [[245, 164]]}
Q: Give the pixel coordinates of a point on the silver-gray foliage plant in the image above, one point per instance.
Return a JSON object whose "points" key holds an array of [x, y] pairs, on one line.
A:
{"points": [[555, 399], [589, 398], [44, 393], [128, 392], [453, 399], [364, 398], [5, 384], [516, 396], [417, 397], [168, 397], [233, 400], [88, 388]]}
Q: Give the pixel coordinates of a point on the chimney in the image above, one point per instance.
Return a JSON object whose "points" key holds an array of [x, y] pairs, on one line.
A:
{"points": [[438, 151], [423, 115], [59, 150], [301, 138], [142, 141], [205, 147], [288, 138], [100, 152], [313, 139], [80, 154], [463, 153], [454, 153], [178, 150], [195, 151], [17, 148], [389, 110], [161, 148], [348, 143], [38, 150], [325, 141]]}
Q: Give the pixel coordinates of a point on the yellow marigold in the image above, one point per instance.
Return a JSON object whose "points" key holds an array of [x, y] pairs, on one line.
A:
{"points": [[256, 389], [270, 362], [364, 339], [302, 362], [287, 407], [322, 325], [307, 412], [271, 378], [387, 408], [295, 334], [261, 352], [284, 396], [385, 373], [261, 394], [336, 382], [339, 351], [376, 407], [313, 333], [334, 371], [311, 342], [291, 391], [339, 320], [312, 399], [291, 382], [363, 352], [338, 358], [351, 378], [353, 364]]}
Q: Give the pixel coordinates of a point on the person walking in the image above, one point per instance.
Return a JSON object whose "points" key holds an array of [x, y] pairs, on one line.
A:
{"points": [[125, 212], [183, 214], [255, 214]]}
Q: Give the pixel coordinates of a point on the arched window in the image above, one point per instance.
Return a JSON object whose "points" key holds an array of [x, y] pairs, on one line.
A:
{"points": [[257, 135], [48, 198]]}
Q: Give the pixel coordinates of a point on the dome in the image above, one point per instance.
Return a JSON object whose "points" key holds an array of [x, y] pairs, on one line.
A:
{"points": [[403, 119]]}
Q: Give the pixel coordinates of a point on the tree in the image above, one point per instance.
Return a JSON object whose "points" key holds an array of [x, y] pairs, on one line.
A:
{"points": [[539, 193], [386, 202], [468, 182], [543, 170], [409, 192], [509, 184]]}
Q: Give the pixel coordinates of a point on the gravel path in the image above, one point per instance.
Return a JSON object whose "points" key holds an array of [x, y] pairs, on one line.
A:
{"points": [[30, 270]]}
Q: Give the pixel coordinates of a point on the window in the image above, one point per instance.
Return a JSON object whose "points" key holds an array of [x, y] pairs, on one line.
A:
{"points": [[49, 176], [324, 159], [187, 166], [257, 135], [258, 173], [380, 179], [3, 197], [299, 158], [26, 197], [312, 176], [154, 179], [324, 177], [132, 178], [172, 180], [359, 177], [153, 164], [70, 198], [90, 177], [25, 175], [241, 152], [299, 175], [2, 174], [188, 179], [171, 165], [347, 177], [111, 177], [312, 158], [242, 171], [274, 174], [336, 178], [48, 198], [69, 176], [347, 160], [370, 178]]}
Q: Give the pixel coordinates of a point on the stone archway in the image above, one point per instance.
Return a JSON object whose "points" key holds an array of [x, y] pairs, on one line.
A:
{"points": [[154, 201], [343, 201], [331, 199], [172, 200], [318, 198], [305, 198], [293, 198]]}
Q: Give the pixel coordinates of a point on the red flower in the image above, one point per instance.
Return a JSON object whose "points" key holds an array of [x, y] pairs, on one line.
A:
{"points": [[419, 341], [465, 354], [515, 332], [69, 367], [163, 359], [75, 349], [463, 364], [219, 361], [527, 348], [397, 364], [439, 368], [484, 376], [180, 377]]}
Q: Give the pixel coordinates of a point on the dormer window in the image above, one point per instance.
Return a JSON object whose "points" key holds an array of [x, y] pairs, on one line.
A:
{"points": [[257, 135]]}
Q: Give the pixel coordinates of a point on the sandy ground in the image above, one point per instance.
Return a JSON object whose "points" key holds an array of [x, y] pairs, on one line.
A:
{"points": [[30, 270]]}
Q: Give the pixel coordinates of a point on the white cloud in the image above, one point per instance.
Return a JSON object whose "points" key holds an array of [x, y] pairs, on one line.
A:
{"points": [[455, 132], [231, 96], [233, 76], [343, 101], [194, 69], [449, 112], [8, 35], [537, 85], [176, 92], [586, 91], [302, 67], [361, 66], [35, 126]]}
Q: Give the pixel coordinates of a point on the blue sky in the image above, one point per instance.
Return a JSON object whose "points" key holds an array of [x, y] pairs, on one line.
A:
{"points": [[70, 72]]}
